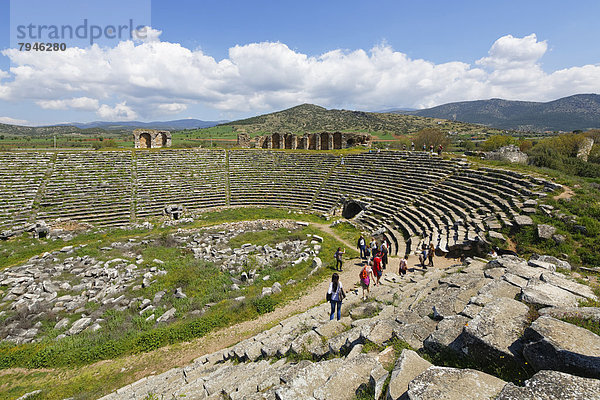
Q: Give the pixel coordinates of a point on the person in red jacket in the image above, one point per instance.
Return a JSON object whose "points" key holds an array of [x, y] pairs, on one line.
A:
{"points": [[377, 267]]}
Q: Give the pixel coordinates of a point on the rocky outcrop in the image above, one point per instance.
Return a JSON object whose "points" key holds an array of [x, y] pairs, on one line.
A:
{"points": [[560, 346], [470, 311], [454, 384], [493, 336], [408, 366], [553, 385], [509, 153]]}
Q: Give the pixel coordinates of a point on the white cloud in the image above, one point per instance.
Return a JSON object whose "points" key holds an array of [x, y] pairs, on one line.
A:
{"points": [[146, 35], [120, 112], [172, 108], [153, 78], [13, 121], [78, 103], [511, 52]]}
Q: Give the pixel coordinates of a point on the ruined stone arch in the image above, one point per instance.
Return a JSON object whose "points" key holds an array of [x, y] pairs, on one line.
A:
{"points": [[325, 141], [276, 141], [337, 140], [145, 141]]}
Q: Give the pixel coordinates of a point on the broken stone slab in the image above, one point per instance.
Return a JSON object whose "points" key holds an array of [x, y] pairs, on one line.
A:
{"points": [[454, 384], [302, 383], [542, 264], [311, 343], [493, 290], [515, 280], [493, 336], [346, 380], [170, 313], [408, 366], [545, 231], [446, 334], [552, 260], [382, 331], [560, 346], [496, 235], [553, 385], [79, 326], [523, 220], [494, 273], [330, 329], [377, 380], [568, 285], [592, 313], [545, 294], [415, 333]]}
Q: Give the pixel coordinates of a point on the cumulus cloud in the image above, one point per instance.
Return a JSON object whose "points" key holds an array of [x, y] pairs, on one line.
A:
{"points": [[510, 52], [13, 121], [78, 103], [149, 78], [120, 112]]}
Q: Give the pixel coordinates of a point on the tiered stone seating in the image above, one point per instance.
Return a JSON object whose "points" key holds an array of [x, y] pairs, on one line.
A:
{"points": [[413, 198], [275, 178], [93, 187], [390, 181], [21, 175], [194, 179]]}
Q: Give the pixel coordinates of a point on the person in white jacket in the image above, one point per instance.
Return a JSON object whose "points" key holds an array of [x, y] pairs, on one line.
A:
{"points": [[335, 295]]}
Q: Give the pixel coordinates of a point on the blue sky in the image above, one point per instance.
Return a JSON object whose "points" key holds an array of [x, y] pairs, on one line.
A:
{"points": [[232, 59]]}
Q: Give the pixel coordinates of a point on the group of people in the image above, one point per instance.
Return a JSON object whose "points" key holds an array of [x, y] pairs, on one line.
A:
{"points": [[431, 148], [375, 260]]}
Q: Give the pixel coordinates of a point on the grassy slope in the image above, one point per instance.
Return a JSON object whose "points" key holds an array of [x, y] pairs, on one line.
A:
{"points": [[128, 334]]}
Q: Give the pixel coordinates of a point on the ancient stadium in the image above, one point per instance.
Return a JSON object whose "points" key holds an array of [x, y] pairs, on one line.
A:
{"points": [[202, 273]]}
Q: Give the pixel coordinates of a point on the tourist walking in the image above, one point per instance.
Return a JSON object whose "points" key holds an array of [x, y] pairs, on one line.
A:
{"points": [[423, 256], [424, 147], [384, 253], [440, 150], [362, 246], [412, 146], [365, 275], [335, 295], [338, 258], [403, 267], [373, 247], [377, 270], [430, 254]]}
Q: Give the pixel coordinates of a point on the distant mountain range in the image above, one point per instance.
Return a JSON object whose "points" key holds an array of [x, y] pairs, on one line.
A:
{"points": [[178, 124], [102, 127], [580, 111]]}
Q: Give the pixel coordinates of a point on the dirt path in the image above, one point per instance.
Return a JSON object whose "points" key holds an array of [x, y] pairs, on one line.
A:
{"points": [[567, 193]]}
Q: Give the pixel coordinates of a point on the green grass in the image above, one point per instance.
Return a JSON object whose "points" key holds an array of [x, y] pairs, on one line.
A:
{"points": [[349, 233], [586, 323], [125, 333]]}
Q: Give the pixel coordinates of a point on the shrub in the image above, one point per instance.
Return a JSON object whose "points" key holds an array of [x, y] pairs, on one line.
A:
{"points": [[264, 304]]}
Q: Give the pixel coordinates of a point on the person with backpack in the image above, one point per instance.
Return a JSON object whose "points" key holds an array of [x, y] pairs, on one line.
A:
{"points": [[377, 270], [403, 267], [338, 258], [335, 295], [365, 275], [362, 246], [431, 254]]}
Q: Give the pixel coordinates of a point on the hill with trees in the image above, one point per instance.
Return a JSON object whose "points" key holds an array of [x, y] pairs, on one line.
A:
{"points": [[313, 118], [577, 112]]}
